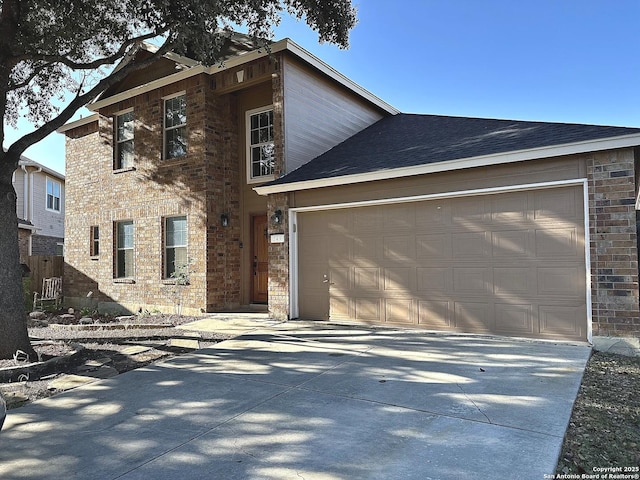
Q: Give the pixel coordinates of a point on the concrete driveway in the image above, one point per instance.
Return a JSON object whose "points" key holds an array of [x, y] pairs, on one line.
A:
{"points": [[315, 401]]}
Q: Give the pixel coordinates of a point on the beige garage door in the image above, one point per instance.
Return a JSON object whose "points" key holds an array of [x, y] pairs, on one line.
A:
{"points": [[510, 264]]}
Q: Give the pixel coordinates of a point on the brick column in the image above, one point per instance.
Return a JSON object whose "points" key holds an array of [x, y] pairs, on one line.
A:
{"points": [[614, 255]]}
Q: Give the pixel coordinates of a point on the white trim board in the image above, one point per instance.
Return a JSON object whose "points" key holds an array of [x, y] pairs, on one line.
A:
{"points": [[293, 233]]}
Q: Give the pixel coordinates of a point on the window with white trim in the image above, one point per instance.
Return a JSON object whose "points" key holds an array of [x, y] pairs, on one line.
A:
{"points": [[175, 126], [54, 192], [260, 144], [175, 246], [94, 249], [124, 250], [123, 145]]}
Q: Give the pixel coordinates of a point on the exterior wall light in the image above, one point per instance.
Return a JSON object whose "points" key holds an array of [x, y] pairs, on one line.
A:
{"points": [[276, 218], [224, 220]]}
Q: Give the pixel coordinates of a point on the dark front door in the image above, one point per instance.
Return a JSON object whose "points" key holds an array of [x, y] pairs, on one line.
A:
{"points": [[260, 260]]}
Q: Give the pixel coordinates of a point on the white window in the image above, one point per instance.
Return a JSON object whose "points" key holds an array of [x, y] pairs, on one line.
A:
{"points": [[175, 258], [175, 126], [94, 249], [124, 250], [260, 142], [54, 189], [123, 149]]}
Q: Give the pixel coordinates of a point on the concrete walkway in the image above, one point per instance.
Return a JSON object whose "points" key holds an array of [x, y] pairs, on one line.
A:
{"points": [[315, 401]]}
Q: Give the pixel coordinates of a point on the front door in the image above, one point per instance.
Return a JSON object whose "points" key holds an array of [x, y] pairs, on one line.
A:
{"points": [[260, 260]]}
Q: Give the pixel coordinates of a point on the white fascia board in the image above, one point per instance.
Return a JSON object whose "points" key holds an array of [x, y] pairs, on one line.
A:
{"points": [[147, 87], [77, 123], [28, 227], [459, 164], [27, 162]]}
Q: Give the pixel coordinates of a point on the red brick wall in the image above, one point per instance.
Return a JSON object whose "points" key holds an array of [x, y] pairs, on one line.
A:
{"points": [[614, 256], [201, 185]]}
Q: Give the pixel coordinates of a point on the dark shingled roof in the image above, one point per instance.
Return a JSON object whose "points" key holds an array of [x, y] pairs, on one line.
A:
{"points": [[407, 140]]}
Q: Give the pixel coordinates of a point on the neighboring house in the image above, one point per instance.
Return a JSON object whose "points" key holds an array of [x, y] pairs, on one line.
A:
{"points": [[40, 208], [278, 181]]}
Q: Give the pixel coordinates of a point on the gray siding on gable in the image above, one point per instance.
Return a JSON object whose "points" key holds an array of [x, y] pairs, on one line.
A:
{"points": [[318, 115]]}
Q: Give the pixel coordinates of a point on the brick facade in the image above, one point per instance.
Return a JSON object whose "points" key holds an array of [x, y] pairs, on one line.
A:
{"points": [[202, 185], [614, 253], [23, 243]]}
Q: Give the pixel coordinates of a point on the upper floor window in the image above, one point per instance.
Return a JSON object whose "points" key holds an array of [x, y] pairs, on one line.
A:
{"points": [[123, 154], [175, 247], [54, 189], [260, 144], [124, 250], [175, 126]]}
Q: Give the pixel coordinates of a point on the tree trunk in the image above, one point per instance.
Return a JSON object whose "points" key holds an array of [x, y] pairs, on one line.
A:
{"points": [[13, 324]]}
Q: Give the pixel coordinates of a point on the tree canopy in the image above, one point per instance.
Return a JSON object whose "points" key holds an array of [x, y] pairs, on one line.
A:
{"points": [[52, 48]]}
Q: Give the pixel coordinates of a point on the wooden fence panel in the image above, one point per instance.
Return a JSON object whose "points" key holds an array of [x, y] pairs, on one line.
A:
{"points": [[44, 266]]}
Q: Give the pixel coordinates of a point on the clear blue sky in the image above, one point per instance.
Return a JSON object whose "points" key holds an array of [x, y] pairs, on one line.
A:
{"points": [[551, 60]]}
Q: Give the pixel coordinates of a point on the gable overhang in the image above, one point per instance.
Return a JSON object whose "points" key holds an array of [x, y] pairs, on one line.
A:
{"points": [[459, 164], [78, 123], [280, 46]]}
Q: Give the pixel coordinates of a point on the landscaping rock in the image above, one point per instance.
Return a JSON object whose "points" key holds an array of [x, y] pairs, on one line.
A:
{"points": [[85, 321], [37, 315]]}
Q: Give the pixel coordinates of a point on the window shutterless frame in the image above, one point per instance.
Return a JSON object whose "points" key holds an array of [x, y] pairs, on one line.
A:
{"points": [[124, 261], [174, 126], [94, 236], [123, 135], [260, 144], [54, 195], [175, 246]]}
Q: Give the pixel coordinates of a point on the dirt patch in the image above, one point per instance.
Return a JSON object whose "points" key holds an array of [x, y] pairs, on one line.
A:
{"points": [[84, 348], [604, 430]]}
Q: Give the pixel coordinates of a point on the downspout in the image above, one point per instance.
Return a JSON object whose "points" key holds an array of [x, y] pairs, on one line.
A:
{"points": [[31, 193]]}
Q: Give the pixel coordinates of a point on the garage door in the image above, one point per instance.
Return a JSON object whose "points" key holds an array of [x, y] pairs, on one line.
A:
{"points": [[509, 263]]}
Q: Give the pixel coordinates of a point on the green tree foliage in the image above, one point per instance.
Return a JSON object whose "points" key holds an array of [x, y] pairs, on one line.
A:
{"points": [[50, 48]]}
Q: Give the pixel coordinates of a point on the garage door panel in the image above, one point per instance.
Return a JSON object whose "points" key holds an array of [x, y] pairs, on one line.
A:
{"points": [[433, 215], [399, 249], [561, 320], [471, 244], [398, 310], [469, 211], [368, 309], [509, 208], [434, 279], [514, 319], [509, 263], [559, 281], [470, 280], [435, 315], [433, 246], [557, 204], [314, 247], [399, 279], [511, 243], [367, 249], [472, 317], [340, 308], [367, 278], [513, 281], [399, 218], [557, 242]]}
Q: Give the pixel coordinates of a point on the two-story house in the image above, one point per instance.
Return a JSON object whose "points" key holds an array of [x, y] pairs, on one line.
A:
{"points": [[40, 208], [274, 180]]}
